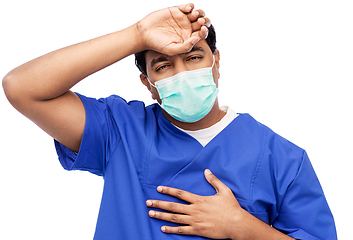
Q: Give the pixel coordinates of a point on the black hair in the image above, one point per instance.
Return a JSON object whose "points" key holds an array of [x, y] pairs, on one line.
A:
{"points": [[140, 60]]}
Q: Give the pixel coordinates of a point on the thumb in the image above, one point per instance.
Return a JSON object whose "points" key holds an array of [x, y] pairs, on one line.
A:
{"points": [[186, 46], [178, 48], [195, 38], [214, 181]]}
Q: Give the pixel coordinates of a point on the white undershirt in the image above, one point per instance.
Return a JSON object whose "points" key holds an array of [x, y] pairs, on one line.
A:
{"points": [[204, 136]]}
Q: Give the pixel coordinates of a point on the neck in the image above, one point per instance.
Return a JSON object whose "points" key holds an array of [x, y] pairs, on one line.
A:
{"points": [[214, 116]]}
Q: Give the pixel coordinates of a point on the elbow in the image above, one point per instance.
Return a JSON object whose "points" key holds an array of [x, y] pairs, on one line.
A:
{"points": [[6, 85], [12, 89]]}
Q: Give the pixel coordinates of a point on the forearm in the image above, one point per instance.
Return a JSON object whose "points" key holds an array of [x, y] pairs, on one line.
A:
{"points": [[39, 89], [55, 73]]}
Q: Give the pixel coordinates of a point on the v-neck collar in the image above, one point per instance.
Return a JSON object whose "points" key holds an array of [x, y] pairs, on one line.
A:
{"points": [[204, 136], [210, 132]]}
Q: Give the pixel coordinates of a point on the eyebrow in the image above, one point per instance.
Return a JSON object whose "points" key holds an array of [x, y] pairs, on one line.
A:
{"points": [[164, 58], [158, 60]]}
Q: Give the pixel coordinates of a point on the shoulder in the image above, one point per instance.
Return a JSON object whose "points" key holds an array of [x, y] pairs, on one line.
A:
{"points": [[272, 139], [276, 152], [280, 156], [281, 146]]}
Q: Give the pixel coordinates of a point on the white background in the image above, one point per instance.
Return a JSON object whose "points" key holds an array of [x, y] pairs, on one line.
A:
{"points": [[287, 63]]}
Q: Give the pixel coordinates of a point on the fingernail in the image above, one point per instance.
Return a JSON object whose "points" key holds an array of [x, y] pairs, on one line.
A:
{"points": [[149, 203], [152, 213], [208, 172], [203, 21], [159, 189], [163, 229]]}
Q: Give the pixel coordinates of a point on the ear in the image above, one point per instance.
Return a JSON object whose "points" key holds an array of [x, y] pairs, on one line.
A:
{"points": [[217, 58], [143, 78], [145, 82]]}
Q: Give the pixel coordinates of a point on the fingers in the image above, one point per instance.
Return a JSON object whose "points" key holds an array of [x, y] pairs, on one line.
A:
{"points": [[186, 8], [199, 34], [181, 230], [168, 206], [199, 29], [170, 217], [196, 26], [178, 214], [196, 17], [183, 195], [199, 25], [196, 14], [186, 46], [204, 22], [214, 181]]}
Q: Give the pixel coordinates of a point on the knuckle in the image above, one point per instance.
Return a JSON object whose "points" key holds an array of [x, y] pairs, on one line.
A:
{"points": [[171, 207], [201, 201], [182, 208], [201, 12], [157, 215], [174, 218], [179, 193]]}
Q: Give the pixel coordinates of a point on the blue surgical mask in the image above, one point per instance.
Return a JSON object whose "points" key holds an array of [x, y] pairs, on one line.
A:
{"points": [[188, 96]]}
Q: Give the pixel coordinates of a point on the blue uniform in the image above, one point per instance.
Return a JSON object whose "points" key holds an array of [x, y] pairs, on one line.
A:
{"points": [[135, 148]]}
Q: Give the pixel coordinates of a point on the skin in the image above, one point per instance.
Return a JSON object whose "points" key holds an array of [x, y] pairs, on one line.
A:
{"points": [[201, 56], [40, 90], [218, 217]]}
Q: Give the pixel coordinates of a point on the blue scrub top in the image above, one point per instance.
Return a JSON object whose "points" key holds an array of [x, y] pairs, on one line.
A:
{"points": [[135, 148]]}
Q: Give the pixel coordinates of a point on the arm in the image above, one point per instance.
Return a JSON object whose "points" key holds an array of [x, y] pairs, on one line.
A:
{"points": [[218, 217], [39, 89]]}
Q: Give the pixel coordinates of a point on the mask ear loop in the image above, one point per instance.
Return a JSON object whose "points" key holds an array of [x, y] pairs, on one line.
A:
{"points": [[151, 83], [213, 62], [154, 87]]}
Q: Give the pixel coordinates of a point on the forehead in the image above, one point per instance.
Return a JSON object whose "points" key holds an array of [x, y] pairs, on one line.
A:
{"points": [[153, 55]]}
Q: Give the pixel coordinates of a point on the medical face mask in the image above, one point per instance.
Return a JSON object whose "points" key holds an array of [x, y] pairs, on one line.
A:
{"points": [[188, 96]]}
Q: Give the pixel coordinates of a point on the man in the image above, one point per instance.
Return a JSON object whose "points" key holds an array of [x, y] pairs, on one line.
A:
{"points": [[152, 158]]}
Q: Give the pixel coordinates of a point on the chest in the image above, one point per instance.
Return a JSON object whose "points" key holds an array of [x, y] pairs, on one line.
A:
{"points": [[180, 162]]}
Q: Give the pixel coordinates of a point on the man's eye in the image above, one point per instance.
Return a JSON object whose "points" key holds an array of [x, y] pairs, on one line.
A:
{"points": [[161, 67], [193, 58]]}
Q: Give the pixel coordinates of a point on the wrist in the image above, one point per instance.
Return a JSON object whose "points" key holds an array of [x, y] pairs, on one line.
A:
{"points": [[249, 227], [239, 226], [139, 41]]}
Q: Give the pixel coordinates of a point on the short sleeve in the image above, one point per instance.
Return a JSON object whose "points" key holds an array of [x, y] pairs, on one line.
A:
{"points": [[304, 213], [98, 133]]}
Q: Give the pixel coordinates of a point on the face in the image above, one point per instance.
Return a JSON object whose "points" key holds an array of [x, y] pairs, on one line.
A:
{"points": [[160, 66]]}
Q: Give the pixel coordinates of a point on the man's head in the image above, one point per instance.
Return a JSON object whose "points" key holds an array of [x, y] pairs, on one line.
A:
{"points": [[140, 59], [156, 66]]}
